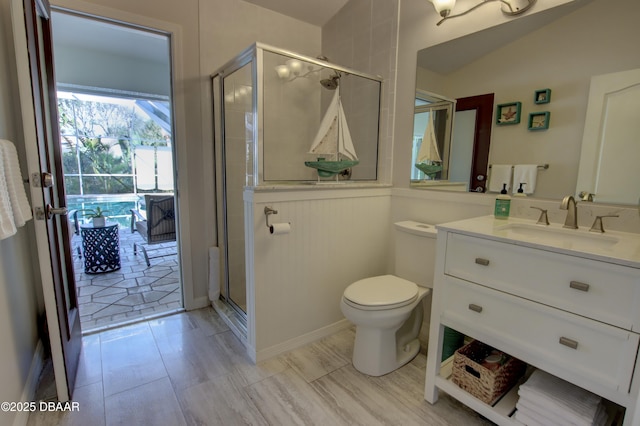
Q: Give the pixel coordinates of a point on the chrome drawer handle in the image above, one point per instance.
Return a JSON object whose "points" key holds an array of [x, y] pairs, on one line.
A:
{"points": [[475, 308], [577, 285], [481, 261], [569, 343]]}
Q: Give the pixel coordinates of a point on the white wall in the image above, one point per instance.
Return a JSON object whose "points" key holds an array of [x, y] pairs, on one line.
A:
{"points": [[337, 236], [19, 298], [541, 60]]}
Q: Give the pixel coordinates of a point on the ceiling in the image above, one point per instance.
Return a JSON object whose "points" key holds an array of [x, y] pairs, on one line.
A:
{"points": [[72, 31], [316, 12]]}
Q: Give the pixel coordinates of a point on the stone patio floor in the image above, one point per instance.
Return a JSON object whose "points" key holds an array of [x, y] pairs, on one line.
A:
{"points": [[133, 292]]}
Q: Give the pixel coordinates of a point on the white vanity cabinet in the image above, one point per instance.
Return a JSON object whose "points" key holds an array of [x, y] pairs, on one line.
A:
{"points": [[571, 313]]}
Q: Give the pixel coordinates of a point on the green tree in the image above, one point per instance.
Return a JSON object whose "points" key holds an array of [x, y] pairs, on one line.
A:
{"points": [[104, 135]]}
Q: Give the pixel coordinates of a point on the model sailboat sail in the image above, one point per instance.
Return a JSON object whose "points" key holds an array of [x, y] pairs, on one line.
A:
{"points": [[429, 161], [333, 139]]}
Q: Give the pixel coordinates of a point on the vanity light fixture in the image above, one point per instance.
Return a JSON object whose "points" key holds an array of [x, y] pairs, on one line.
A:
{"points": [[509, 7]]}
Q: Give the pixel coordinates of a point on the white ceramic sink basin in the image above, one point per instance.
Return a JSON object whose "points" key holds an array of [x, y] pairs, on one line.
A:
{"points": [[557, 235], [612, 246]]}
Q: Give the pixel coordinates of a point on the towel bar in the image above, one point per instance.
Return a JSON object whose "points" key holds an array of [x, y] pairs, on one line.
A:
{"points": [[540, 166]]}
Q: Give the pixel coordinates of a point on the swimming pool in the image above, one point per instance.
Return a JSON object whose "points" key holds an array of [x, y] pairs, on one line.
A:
{"points": [[117, 209]]}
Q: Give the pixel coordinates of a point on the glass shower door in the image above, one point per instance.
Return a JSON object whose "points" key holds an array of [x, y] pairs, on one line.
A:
{"points": [[238, 128]]}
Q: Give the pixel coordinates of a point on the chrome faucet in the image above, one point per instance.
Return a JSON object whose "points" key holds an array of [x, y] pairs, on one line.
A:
{"points": [[569, 204]]}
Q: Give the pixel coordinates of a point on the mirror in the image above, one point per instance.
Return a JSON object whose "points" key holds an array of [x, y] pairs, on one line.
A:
{"points": [[518, 69], [432, 124]]}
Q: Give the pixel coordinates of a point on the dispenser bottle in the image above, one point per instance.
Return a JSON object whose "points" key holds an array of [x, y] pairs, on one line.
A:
{"points": [[503, 204], [520, 192]]}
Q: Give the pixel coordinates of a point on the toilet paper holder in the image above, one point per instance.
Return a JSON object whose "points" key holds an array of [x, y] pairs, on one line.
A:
{"points": [[267, 212]]}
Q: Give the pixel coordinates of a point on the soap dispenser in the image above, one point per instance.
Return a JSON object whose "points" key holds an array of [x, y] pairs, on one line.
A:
{"points": [[520, 192], [503, 204]]}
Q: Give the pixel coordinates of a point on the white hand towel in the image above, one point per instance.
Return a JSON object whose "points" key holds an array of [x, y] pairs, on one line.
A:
{"points": [[527, 174], [500, 174], [7, 225], [559, 396], [15, 185], [529, 418]]}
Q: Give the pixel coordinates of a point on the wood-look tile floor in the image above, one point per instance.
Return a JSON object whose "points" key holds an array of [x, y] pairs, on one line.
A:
{"points": [[189, 369]]}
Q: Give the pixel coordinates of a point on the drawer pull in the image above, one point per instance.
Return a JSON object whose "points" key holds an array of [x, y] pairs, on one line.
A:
{"points": [[577, 285], [481, 261], [475, 308], [569, 343]]}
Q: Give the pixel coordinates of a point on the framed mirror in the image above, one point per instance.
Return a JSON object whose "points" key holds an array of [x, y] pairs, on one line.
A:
{"points": [[431, 149], [516, 68]]}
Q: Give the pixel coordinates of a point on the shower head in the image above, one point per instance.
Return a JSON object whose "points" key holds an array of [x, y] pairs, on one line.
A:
{"points": [[332, 82]]}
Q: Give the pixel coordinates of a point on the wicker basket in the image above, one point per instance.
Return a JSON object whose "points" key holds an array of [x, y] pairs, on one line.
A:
{"points": [[485, 384]]}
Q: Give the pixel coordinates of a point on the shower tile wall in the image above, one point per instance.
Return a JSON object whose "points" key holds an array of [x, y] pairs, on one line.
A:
{"points": [[363, 36]]}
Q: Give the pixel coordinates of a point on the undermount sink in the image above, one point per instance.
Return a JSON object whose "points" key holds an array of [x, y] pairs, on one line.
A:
{"points": [[557, 235], [618, 247]]}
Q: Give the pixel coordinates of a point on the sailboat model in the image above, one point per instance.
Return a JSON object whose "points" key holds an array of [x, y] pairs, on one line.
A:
{"points": [[429, 161], [333, 140]]}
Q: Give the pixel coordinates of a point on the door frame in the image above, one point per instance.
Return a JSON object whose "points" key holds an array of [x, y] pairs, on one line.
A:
{"points": [[177, 49], [28, 117]]}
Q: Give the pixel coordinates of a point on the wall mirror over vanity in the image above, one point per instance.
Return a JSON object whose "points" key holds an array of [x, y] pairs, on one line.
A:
{"points": [[565, 305], [589, 137]]}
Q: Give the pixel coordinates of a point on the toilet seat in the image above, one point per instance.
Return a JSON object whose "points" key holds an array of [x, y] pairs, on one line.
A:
{"points": [[380, 293]]}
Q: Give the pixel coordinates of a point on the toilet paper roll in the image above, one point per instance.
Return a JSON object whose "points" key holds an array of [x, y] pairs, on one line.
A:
{"points": [[280, 228]]}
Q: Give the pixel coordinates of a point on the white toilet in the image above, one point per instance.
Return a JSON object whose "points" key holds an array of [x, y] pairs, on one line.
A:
{"points": [[388, 310]]}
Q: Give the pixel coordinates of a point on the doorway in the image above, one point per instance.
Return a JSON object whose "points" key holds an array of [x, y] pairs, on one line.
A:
{"points": [[117, 146], [476, 114]]}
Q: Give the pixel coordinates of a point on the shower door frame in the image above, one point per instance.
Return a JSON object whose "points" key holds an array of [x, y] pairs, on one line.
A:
{"points": [[247, 57], [254, 55]]}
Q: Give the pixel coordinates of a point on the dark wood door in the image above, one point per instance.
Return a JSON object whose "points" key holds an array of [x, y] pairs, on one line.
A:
{"points": [[40, 52], [483, 104]]}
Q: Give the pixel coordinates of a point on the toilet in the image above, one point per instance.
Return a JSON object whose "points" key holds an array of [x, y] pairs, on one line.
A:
{"points": [[388, 310]]}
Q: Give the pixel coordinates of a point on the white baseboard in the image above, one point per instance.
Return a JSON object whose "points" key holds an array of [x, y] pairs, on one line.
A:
{"points": [[29, 391], [299, 341], [200, 302]]}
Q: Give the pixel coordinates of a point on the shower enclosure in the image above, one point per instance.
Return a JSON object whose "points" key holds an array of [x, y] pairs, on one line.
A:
{"points": [[281, 118]]}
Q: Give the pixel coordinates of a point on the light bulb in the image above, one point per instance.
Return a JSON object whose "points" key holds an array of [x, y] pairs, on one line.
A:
{"points": [[295, 66], [443, 7], [282, 71]]}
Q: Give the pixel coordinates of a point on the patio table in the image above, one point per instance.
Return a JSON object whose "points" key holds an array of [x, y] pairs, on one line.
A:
{"points": [[101, 246]]}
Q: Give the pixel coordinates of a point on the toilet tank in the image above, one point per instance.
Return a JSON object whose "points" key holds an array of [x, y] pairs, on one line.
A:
{"points": [[415, 252]]}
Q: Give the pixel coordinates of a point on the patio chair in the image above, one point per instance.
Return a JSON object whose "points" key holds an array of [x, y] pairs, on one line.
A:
{"points": [[159, 225]]}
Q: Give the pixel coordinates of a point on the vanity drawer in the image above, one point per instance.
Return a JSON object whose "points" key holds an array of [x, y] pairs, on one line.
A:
{"points": [[602, 291], [586, 352]]}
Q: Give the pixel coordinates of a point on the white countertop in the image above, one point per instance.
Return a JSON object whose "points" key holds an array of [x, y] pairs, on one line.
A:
{"points": [[614, 247]]}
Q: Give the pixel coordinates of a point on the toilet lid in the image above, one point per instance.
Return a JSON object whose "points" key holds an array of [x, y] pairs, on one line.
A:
{"points": [[382, 291]]}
